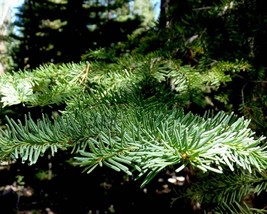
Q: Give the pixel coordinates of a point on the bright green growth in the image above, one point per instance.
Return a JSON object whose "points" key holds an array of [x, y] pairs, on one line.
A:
{"points": [[124, 115]]}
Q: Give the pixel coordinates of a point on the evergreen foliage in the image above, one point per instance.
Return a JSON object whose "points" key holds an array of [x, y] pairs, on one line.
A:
{"points": [[159, 78], [48, 84], [158, 108], [127, 115], [203, 32], [84, 25]]}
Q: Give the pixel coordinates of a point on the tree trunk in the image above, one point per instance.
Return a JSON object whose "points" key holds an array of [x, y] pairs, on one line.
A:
{"points": [[163, 18]]}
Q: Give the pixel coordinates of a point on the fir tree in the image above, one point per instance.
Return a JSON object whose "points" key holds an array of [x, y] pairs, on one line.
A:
{"points": [[83, 24]]}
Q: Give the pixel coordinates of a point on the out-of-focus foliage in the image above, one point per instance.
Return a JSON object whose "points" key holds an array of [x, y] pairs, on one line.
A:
{"points": [[61, 31], [7, 44]]}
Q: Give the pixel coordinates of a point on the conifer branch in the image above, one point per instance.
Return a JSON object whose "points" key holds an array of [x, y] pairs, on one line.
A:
{"points": [[159, 138], [31, 139], [227, 187], [48, 84], [127, 120]]}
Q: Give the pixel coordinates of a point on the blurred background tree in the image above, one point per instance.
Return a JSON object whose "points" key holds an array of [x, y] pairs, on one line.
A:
{"points": [[7, 43], [61, 31]]}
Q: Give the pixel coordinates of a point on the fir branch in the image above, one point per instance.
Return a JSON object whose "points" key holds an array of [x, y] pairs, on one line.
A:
{"points": [[225, 192], [161, 137], [48, 84], [32, 139], [228, 187], [169, 138], [236, 207], [53, 84], [106, 151]]}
